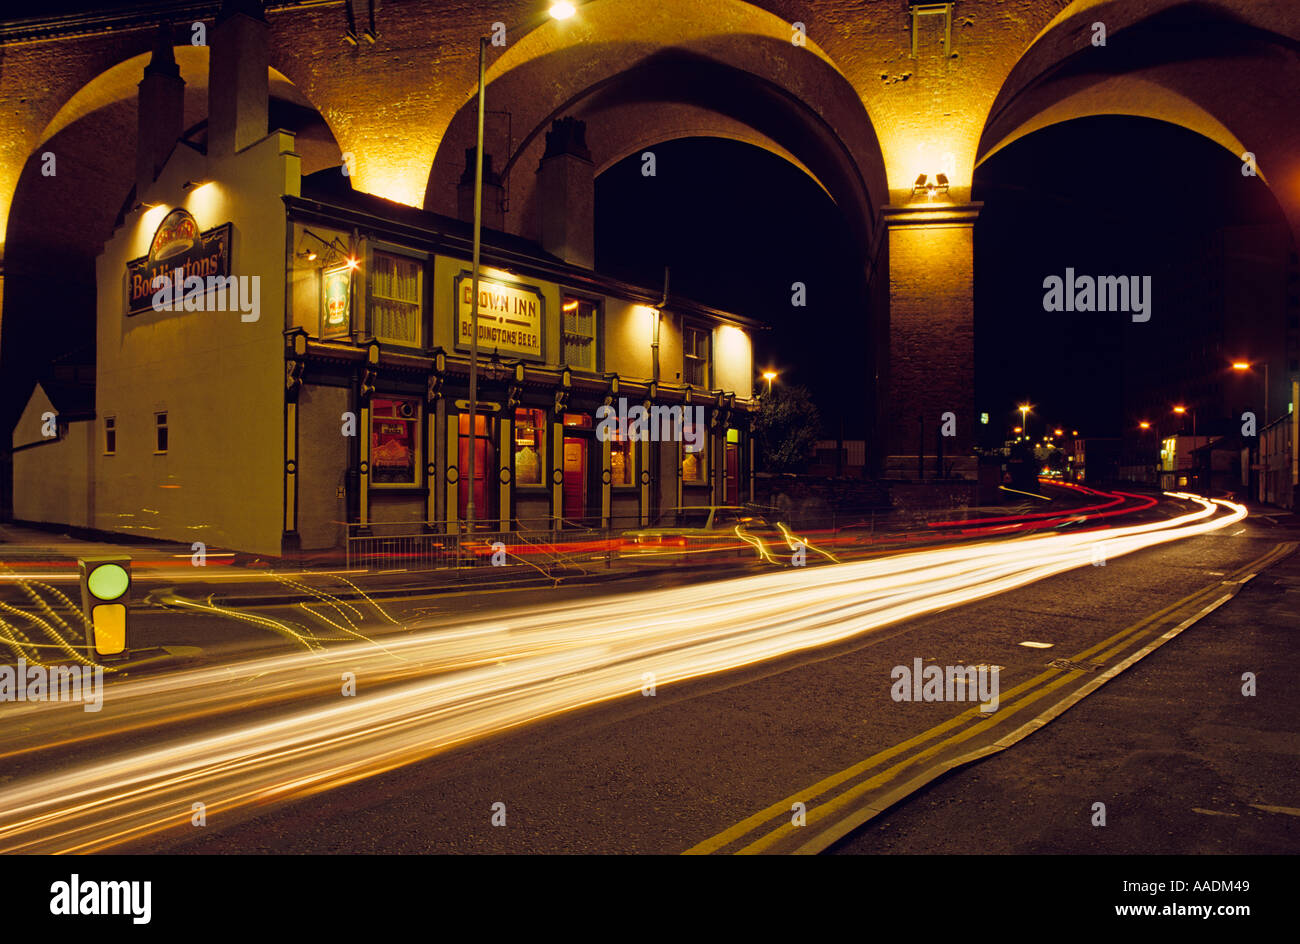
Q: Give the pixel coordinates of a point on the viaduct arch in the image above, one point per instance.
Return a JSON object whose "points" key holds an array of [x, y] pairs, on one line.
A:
{"points": [[878, 94]]}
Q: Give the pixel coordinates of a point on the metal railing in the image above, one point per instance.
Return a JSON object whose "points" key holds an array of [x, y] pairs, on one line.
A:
{"points": [[568, 547]]}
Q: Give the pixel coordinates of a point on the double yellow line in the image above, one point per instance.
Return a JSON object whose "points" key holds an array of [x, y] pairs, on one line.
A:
{"points": [[848, 809]]}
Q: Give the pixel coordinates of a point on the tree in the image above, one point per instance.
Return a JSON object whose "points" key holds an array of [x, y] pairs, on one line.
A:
{"points": [[786, 429]]}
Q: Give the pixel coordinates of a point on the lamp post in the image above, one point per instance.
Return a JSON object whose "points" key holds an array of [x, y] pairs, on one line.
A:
{"points": [[769, 376], [557, 11], [1024, 413], [1145, 426], [473, 293], [1196, 472], [1242, 366], [1182, 411]]}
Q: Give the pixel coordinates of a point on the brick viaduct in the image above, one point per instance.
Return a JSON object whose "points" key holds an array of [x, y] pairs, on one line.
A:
{"points": [[879, 92]]}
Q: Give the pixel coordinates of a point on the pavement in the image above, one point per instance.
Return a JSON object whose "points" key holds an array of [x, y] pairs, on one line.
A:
{"points": [[1183, 756], [237, 580]]}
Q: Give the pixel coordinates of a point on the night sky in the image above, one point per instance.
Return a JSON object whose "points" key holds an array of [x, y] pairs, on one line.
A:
{"points": [[1106, 196], [738, 226]]}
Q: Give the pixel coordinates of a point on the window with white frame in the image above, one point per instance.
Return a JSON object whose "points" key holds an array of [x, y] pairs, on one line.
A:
{"points": [[110, 435], [396, 291], [695, 351], [578, 333]]}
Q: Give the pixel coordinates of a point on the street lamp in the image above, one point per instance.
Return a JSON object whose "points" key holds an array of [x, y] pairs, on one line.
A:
{"points": [[1182, 411], [769, 376], [557, 11], [1245, 366], [1024, 410]]}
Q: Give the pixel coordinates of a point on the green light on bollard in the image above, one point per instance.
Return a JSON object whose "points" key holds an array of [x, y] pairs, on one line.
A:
{"points": [[108, 581]]}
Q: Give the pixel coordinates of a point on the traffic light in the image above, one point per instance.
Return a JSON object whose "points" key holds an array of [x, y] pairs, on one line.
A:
{"points": [[105, 582]]}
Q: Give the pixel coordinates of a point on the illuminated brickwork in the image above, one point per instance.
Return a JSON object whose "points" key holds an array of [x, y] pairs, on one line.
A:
{"points": [[871, 98]]}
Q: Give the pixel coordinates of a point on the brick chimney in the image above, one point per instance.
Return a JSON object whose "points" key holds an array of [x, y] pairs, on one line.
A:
{"points": [[238, 88], [566, 192], [160, 108], [493, 193]]}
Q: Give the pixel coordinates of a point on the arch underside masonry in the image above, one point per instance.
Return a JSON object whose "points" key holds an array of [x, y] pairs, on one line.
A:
{"points": [[854, 108]]}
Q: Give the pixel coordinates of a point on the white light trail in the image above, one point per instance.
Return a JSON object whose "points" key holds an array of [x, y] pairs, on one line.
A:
{"points": [[274, 728]]}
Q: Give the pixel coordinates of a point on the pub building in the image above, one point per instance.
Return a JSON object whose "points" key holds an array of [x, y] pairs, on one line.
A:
{"points": [[307, 378]]}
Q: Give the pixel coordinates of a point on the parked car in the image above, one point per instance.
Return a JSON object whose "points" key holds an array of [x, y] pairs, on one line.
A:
{"points": [[702, 534]]}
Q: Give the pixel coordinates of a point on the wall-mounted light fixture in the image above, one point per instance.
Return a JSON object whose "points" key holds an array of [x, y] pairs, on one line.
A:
{"points": [[350, 29], [924, 185], [335, 252]]}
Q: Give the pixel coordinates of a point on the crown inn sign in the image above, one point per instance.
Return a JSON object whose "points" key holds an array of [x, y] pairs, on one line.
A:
{"points": [[509, 316]]}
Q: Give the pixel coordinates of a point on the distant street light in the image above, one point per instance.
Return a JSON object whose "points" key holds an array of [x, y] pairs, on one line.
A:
{"points": [[769, 376], [1245, 366], [1024, 410], [1181, 411]]}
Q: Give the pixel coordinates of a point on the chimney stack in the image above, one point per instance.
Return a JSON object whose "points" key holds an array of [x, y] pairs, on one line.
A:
{"points": [[160, 107], [566, 190], [238, 88], [493, 193]]}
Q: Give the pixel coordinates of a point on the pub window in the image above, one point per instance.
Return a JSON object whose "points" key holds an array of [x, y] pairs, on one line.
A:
{"points": [[110, 435], [160, 432], [395, 293], [530, 442], [394, 441], [621, 466], [693, 463], [579, 333], [695, 347]]}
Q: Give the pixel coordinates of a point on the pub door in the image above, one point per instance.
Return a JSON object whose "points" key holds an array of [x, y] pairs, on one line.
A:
{"points": [[483, 478]]}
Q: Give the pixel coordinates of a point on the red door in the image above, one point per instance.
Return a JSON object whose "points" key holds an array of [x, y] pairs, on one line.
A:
{"points": [[484, 460], [575, 479]]}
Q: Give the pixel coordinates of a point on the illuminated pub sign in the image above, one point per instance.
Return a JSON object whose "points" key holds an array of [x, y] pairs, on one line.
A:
{"points": [[509, 316], [177, 247], [336, 298]]}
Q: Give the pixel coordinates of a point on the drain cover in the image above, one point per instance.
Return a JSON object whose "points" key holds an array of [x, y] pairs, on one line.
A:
{"points": [[1075, 666]]}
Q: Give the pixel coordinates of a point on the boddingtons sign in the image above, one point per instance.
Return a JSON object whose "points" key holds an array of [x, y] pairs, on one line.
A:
{"points": [[177, 244]]}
